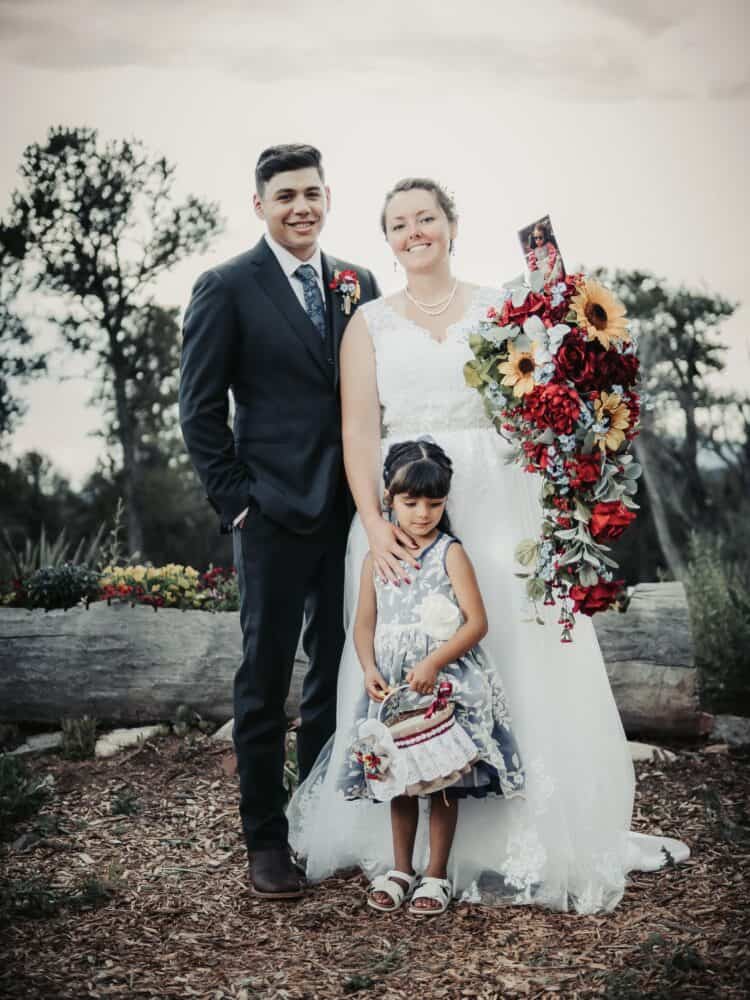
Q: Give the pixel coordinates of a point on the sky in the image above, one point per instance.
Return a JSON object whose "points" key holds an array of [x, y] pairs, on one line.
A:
{"points": [[627, 121]]}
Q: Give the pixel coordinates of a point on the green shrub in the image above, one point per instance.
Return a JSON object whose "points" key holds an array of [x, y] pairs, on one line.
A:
{"points": [[62, 586], [718, 588], [21, 794]]}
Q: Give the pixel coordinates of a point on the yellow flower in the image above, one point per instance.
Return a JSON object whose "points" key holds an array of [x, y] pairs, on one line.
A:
{"points": [[518, 371], [599, 314], [610, 411]]}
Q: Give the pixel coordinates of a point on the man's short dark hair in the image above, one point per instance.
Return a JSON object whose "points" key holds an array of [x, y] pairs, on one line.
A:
{"points": [[290, 156]]}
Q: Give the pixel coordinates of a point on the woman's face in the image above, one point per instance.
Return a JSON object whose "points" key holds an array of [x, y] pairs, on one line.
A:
{"points": [[418, 230], [538, 238]]}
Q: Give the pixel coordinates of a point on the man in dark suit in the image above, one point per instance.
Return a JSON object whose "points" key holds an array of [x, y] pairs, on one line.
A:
{"points": [[267, 325]]}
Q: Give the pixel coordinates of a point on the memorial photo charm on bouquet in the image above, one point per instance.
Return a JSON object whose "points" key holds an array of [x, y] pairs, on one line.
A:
{"points": [[541, 252]]}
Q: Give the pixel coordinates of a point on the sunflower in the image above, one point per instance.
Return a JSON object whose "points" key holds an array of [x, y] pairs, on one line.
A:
{"points": [[613, 414], [518, 371], [599, 314]]}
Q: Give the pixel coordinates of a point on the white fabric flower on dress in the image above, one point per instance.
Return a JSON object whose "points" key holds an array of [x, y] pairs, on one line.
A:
{"points": [[439, 617]]}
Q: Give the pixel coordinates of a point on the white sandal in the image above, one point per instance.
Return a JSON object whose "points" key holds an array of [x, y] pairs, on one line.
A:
{"points": [[439, 889], [387, 884]]}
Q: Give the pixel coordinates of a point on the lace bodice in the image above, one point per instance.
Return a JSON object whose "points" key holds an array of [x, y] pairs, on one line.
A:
{"points": [[420, 380]]}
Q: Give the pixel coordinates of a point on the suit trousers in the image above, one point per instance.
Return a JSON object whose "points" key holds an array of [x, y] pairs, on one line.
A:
{"points": [[284, 578]]}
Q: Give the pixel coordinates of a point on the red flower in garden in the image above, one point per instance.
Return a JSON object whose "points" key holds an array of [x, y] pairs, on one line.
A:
{"points": [[609, 520], [589, 600], [554, 406]]}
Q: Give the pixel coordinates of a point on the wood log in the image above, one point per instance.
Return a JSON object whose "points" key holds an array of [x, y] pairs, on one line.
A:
{"points": [[649, 656], [132, 666]]}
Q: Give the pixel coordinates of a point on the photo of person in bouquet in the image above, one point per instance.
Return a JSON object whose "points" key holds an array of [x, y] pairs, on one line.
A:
{"points": [[541, 250]]}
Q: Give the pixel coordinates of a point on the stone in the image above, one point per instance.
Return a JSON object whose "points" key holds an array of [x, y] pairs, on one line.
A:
{"points": [[224, 734], [731, 729], [647, 752], [40, 743], [118, 739]]}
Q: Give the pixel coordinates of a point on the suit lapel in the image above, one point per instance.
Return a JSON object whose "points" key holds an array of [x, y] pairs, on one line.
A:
{"points": [[276, 286], [337, 318]]}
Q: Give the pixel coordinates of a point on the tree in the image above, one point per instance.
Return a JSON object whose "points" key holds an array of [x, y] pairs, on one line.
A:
{"points": [[17, 362], [95, 224], [679, 350]]}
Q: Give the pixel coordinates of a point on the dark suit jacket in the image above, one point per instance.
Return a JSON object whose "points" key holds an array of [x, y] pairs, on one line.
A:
{"points": [[245, 330]]}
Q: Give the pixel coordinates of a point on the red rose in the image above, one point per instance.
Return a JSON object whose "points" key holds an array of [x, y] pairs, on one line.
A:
{"points": [[533, 304], [554, 406], [609, 520], [584, 471], [589, 600], [576, 361]]}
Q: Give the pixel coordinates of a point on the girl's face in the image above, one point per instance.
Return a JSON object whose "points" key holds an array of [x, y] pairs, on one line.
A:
{"points": [[418, 230], [538, 238], [419, 516]]}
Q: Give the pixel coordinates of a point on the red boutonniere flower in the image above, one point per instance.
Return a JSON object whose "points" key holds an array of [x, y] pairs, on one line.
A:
{"points": [[346, 286]]}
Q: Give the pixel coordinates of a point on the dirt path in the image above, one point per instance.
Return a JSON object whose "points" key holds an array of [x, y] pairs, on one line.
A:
{"points": [[153, 903]]}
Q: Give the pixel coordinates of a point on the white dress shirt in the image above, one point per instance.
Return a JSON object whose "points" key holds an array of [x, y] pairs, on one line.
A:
{"points": [[289, 264]]}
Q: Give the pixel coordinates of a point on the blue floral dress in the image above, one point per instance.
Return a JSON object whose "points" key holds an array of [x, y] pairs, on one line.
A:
{"points": [[412, 620]]}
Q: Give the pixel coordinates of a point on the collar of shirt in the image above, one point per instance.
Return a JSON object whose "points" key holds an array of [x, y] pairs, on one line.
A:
{"points": [[289, 263]]}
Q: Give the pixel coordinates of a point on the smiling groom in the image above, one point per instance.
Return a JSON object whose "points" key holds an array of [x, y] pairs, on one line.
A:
{"points": [[267, 325]]}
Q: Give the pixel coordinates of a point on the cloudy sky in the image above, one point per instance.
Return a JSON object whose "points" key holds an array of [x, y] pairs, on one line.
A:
{"points": [[626, 120]]}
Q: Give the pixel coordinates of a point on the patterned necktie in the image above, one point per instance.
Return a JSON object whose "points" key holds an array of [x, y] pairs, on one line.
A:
{"points": [[313, 299]]}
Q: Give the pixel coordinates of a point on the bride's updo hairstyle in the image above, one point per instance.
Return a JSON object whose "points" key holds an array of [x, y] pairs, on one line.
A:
{"points": [[419, 469], [444, 200]]}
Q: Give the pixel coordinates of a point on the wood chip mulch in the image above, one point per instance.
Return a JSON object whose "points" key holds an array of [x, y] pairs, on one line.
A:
{"points": [[151, 900]]}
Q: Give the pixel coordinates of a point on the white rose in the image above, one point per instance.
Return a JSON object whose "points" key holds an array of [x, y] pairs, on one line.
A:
{"points": [[439, 617]]}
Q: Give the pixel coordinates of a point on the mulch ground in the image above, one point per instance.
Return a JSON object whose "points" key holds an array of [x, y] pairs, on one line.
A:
{"points": [[131, 882]]}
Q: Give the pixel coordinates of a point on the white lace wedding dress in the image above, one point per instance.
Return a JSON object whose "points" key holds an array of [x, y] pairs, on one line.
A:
{"points": [[568, 844]]}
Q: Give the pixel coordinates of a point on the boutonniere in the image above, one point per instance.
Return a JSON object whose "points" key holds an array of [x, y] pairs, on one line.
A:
{"points": [[346, 285]]}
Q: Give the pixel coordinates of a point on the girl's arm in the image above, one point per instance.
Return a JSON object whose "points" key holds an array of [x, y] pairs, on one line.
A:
{"points": [[364, 633], [461, 572], [360, 424]]}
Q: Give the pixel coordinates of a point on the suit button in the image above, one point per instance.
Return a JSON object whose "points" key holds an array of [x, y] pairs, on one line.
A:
{"points": [[330, 361]]}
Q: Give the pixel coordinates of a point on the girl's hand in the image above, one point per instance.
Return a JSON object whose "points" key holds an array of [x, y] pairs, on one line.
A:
{"points": [[390, 546], [375, 684], [422, 678]]}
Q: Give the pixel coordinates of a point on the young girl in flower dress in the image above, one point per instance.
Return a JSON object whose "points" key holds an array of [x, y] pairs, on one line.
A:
{"points": [[418, 634]]}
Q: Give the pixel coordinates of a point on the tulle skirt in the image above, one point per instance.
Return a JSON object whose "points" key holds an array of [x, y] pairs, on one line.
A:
{"points": [[567, 844]]}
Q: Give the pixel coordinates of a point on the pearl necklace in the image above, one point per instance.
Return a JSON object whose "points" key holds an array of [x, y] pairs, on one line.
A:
{"points": [[433, 308]]}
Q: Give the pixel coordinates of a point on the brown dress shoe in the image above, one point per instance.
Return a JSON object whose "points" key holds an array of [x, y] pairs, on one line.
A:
{"points": [[274, 875]]}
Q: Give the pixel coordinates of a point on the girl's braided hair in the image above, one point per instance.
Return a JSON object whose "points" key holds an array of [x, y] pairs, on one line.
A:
{"points": [[421, 469]]}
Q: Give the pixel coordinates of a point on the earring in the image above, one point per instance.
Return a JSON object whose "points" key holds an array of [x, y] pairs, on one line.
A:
{"points": [[395, 265], [452, 247]]}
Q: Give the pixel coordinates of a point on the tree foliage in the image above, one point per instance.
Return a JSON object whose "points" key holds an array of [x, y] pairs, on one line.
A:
{"points": [[95, 223], [680, 349], [18, 362]]}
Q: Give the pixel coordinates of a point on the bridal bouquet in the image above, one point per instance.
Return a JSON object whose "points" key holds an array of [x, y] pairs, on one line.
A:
{"points": [[556, 368]]}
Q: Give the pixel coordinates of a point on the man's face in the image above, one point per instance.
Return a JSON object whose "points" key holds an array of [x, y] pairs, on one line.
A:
{"points": [[294, 206]]}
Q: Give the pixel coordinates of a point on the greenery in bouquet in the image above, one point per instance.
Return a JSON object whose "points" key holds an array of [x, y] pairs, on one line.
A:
{"points": [[557, 369]]}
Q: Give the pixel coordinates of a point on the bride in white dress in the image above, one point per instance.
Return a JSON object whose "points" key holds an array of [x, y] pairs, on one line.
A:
{"points": [[567, 844]]}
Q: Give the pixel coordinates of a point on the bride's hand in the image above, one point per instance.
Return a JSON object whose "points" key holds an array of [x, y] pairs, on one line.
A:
{"points": [[389, 547]]}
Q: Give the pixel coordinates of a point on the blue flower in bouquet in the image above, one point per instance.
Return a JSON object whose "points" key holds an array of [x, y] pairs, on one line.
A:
{"points": [[567, 442], [586, 417], [546, 564], [618, 389], [544, 373], [555, 336]]}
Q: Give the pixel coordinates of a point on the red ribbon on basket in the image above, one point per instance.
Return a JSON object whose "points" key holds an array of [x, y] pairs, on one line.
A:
{"points": [[441, 701]]}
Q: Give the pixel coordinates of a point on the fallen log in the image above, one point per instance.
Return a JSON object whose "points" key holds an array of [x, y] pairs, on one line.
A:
{"points": [[132, 666]]}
